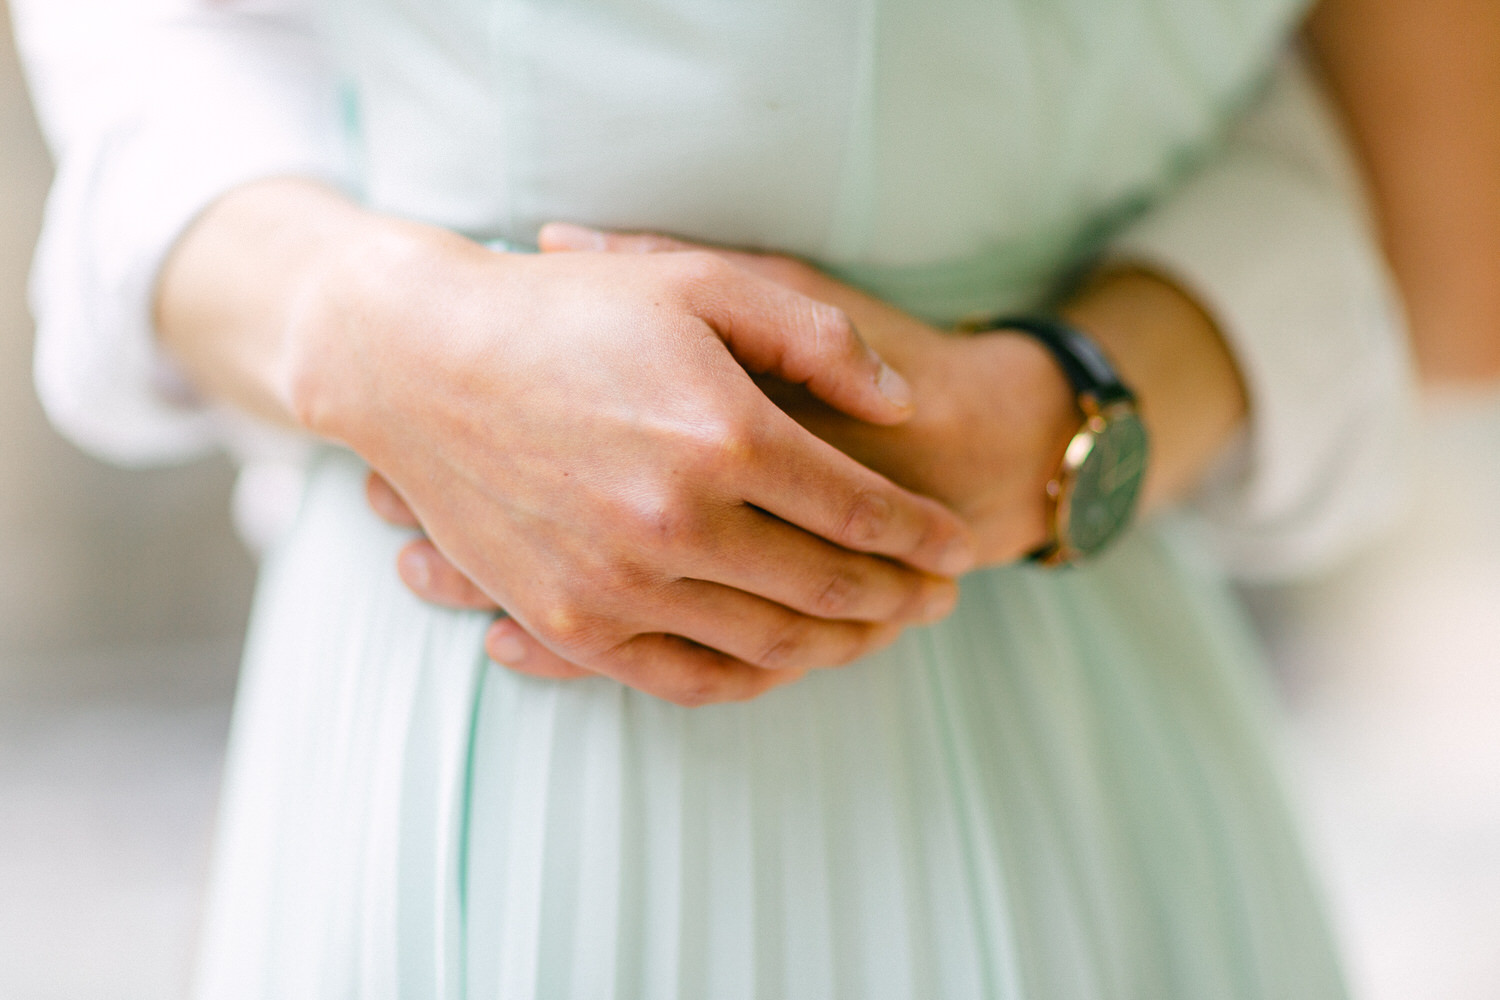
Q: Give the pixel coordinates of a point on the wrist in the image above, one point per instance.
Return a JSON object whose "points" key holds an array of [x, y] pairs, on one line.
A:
{"points": [[1170, 352], [1037, 396], [348, 351], [1090, 493], [1008, 414]]}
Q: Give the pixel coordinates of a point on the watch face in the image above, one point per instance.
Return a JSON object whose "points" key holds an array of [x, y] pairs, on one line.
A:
{"points": [[1106, 484]]}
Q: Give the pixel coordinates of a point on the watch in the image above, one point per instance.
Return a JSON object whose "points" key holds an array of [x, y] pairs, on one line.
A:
{"points": [[1092, 498]]}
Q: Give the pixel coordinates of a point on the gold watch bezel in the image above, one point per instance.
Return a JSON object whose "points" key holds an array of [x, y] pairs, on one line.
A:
{"points": [[1059, 490]]}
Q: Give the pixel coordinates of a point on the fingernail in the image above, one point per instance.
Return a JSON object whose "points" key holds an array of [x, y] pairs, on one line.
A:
{"points": [[956, 559], [416, 569], [893, 387], [508, 650], [572, 237]]}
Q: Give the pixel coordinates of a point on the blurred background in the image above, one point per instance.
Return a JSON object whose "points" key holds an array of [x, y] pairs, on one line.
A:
{"points": [[122, 603]]}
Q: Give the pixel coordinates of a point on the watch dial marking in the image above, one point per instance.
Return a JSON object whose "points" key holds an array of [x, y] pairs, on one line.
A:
{"points": [[1107, 485]]}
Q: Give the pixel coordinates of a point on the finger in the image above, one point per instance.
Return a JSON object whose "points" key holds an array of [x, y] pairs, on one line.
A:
{"points": [[666, 666], [510, 645], [773, 330], [428, 574], [755, 552], [765, 634], [809, 483], [769, 328], [387, 503], [685, 673], [561, 237]]}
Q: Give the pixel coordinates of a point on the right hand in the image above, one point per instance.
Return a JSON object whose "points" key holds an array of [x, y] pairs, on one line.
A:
{"points": [[580, 436]]}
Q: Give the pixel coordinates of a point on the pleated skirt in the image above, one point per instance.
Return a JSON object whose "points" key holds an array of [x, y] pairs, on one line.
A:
{"points": [[1063, 791]]}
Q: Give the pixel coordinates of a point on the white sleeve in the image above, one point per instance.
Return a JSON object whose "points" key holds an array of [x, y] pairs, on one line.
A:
{"points": [[153, 109], [1274, 239]]}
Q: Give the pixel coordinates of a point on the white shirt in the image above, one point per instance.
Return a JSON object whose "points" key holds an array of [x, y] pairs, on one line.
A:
{"points": [[155, 107]]}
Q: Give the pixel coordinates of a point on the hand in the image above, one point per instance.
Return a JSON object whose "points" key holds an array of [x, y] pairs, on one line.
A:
{"points": [[996, 482], [993, 411], [993, 416], [578, 434]]}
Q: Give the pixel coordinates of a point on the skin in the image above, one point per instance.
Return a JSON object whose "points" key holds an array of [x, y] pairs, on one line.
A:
{"points": [[1419, 83], [1422, 102], [993, 414], [719, 551]]}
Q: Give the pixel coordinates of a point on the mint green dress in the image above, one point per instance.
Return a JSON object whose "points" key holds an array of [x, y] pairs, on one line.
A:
{"points": [[1064, 791]]}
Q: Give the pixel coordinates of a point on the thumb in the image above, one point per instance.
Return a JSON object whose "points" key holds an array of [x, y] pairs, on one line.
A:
{"points": [[769, 328], [773, 330]]}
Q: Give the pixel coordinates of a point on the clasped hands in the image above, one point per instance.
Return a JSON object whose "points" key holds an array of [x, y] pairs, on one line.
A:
{"points": [[804, 556], [694, 471]]}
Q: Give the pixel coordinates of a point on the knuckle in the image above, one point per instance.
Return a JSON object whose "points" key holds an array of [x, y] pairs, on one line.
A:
{"points": [[623, 581], [722, 442], [837, 594], [568, 624], [695, 690], [698, 268], [866, 518], [787, 647], [737, 442], [787, 271], [668, 520], [835, 331]]}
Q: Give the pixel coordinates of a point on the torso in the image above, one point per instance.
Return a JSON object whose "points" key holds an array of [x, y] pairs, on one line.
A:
{"points": [[952, 155]]}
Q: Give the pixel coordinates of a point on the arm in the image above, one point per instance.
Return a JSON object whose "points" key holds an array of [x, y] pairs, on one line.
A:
{"points": [[153, 110], [578, 433], [1266, 253], [993, 412], [1254, 297], [1419, 82], [167, 118], [1274, 239]]}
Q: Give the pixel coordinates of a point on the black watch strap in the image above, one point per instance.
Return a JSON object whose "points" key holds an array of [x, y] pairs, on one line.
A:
{"points": [[1080, 358]]}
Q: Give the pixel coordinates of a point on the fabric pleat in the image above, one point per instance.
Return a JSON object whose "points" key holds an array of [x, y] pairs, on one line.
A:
{"points": [[1062, 791]]}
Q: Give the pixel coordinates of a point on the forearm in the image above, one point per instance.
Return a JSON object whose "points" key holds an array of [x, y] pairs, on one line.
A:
{"points": [[1273, 237], [538, 412], [234, 296], [1419, 83]]}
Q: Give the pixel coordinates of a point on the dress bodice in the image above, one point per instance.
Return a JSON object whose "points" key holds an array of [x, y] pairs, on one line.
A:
{"points": [[954, 155]]}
